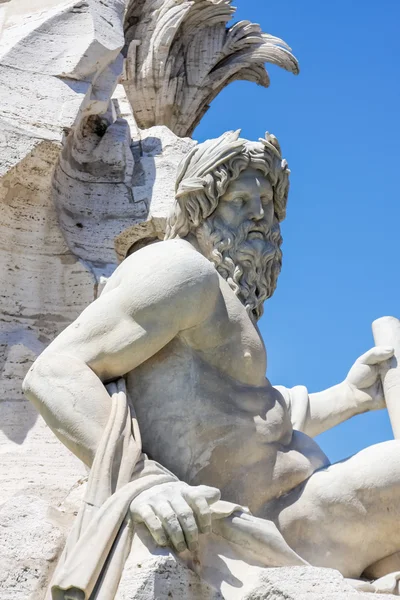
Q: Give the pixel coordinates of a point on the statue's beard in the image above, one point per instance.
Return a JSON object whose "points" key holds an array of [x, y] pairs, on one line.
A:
{"points": [[249, 258]]}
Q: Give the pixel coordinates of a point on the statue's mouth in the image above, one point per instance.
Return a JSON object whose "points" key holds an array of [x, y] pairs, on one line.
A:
{"points": [[256, 233]]}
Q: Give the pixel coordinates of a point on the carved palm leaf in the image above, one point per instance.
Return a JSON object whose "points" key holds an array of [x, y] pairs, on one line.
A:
{"points": [[181, 54]]}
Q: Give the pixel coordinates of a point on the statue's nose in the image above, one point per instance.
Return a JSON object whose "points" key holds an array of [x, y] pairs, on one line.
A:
{"points": [[257, 210]]}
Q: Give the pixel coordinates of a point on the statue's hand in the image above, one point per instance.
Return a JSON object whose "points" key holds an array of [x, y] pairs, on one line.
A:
{"points": [[364, 380], [175, 513]]}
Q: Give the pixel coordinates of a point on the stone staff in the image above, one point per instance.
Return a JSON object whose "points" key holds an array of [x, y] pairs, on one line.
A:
{"points": [[386, 332]]}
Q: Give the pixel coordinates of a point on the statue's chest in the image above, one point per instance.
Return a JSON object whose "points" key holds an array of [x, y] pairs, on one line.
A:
{"points": [[231, 342]]}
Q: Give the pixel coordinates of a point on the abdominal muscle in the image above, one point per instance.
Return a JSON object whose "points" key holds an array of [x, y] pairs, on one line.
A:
{"points": [[209, 429], [256, 473]]}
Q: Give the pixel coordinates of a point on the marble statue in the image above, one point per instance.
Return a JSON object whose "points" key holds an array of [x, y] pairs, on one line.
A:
{"points": [[159, 387], [182, 54], [78, 78]]}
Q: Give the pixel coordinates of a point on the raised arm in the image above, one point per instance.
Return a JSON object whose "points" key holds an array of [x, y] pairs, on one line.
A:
{"points": [[361, 391], [152, 296]]}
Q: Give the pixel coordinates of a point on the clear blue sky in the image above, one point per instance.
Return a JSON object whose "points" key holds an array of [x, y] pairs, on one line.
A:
{"points": [[339, 128]]}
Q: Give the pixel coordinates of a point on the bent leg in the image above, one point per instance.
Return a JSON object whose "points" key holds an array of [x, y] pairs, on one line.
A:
{"points": [[346, 516], [389, 564]]}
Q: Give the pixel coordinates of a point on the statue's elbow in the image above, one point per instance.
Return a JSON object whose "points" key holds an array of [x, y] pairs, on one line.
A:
{"points": [[26, 383], [32, 381]]}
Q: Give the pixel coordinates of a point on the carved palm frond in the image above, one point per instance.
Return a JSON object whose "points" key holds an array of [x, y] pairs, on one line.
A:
{"points": [[181, 54]]}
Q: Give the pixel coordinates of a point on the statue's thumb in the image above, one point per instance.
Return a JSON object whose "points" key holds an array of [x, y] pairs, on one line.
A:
{"points": [[210, 494]]}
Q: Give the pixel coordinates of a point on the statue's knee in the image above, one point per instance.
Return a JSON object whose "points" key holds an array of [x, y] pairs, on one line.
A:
{"points": [[387, 454]]}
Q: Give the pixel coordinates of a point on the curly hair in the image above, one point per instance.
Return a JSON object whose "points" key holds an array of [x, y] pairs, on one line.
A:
{"points": [[204, 176]]}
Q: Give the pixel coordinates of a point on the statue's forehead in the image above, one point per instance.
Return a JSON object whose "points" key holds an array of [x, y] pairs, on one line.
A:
{"points": [[248, 179]]}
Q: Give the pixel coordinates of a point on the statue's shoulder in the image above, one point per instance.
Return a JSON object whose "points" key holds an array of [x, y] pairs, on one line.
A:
{"points": [[168, 263]]}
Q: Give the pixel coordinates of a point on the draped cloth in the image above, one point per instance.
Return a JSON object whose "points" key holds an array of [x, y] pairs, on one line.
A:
{"points": [[93, 559], [92, 562]]}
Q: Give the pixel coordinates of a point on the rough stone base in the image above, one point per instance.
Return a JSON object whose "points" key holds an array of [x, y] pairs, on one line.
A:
{"points": [[307, 583], [32, 535], [153, 573], [163, 578]]}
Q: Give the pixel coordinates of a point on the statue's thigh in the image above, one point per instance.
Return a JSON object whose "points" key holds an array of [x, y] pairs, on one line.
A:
{"points": [[347, 516]]}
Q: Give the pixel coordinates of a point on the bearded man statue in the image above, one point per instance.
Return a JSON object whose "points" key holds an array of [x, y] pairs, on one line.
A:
{"points": [[246, 254], [173, 336]]}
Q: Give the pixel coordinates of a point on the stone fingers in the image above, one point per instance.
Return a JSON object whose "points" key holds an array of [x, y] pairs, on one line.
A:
{"points": [[211, 494], [145, 514], [364, 375], [201, 510], [171, 524], [177, 514], [376, 355], [187, 521]]}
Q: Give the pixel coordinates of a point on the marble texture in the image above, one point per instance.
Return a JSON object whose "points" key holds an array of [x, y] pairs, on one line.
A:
{"points": [[180, 55], [44, 94], [81, 188], [152, 572], [32, 536], [59, 222], [178, 320], [386, 331]]}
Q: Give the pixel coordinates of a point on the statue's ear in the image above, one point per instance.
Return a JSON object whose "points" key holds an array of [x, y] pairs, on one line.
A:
{"points": [[195, 207]]}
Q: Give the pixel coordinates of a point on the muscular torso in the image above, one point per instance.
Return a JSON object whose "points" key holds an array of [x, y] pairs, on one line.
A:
{"points": [[207, 412]]}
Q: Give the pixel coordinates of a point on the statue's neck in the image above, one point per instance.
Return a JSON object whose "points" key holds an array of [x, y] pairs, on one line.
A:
{"points": [[191, 238]]}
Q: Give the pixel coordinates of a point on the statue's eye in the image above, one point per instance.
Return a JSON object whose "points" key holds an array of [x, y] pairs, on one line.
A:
{"points": [[238, 200], [266, 199]]}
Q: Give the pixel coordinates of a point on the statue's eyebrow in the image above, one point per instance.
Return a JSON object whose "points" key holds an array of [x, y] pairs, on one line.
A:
{"points": [[239, 187], [238, 192], [269, 194]]}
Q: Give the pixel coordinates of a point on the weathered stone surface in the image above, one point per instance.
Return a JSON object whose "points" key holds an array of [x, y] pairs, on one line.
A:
{"points": [[180, 55], [158, 574], [184, 340], [32, 536], [113, 185], [158, 153], [305, 583], [43, 287], [59, 63], [162, 576], [78, 178]]}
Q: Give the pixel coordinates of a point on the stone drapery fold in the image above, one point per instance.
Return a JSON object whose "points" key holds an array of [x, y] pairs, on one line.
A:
{"points": [[92, 562]]}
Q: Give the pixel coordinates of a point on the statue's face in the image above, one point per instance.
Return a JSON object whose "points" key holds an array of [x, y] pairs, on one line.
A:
{"points": [[249, 198], [242, 238]]}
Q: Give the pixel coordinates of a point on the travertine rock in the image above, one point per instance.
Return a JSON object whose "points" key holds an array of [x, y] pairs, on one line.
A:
{"points": [[306, 583], [158, 153], [44, 93], [123, 182], [32, 536], [180, 55], [63, 212], [161, 576], [185, 342], [113, 185]]}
